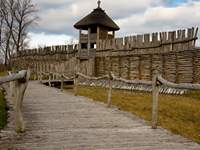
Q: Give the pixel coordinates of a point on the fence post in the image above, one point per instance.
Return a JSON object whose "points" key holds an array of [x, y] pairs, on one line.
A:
{"points": [[155, 94], [50, 79], [21, 86], [41, 77], [76, 84], [109, 101], [12, 85], [62, 83]]}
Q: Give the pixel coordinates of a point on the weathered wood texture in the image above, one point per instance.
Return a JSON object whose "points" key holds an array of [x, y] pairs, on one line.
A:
{"points": [[134, 57], [157, 83], [18, 84], [59, 120], [123, 84]]}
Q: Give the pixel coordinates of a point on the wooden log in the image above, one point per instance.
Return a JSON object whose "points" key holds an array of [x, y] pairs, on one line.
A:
{"points": [[20, 88], [179, 86], [62, 83], [12, 85], [92, 78], [76, 84], [143, 82], [155, 93], [19, 76], [109, 101], [49, 79]]}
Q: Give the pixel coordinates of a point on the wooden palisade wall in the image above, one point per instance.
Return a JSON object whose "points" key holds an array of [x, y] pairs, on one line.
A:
{"points": [[173, 54]]}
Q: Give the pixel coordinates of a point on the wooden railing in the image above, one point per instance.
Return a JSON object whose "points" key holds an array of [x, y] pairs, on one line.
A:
{"points": [[111, 77], [157, 84], [51, 76], [18, 84]]}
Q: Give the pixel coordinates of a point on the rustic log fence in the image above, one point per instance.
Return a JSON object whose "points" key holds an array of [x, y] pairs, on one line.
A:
{"points": [[111, 77], [158, 82], [18, 84], [124, 84], [51, 76]]}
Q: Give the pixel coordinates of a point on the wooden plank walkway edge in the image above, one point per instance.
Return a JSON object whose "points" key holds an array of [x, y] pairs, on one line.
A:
{"points": [[58, 120]]}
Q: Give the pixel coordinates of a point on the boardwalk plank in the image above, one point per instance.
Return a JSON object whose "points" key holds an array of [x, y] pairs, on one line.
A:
{"points": [[58, 120]]}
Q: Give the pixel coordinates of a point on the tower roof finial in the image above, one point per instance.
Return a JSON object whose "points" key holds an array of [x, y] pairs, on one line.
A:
{"points": [[99, 3]]}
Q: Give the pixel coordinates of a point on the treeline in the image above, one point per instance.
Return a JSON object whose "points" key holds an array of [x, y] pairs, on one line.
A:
{"points": [[16, 16]]}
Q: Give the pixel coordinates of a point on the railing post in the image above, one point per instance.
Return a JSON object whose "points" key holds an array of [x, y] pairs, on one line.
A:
{"points": [[155, 94], [50, 79], [21, 86], [41, 77], [62, 83], [76, 84], [109, 100], [12, 85]]}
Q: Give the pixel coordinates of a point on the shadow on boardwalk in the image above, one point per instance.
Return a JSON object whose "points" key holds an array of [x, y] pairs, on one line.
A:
{"points": [[58, 120]]}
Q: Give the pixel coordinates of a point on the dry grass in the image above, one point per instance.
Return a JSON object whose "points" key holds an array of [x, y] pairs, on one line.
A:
{"points": [[180, 114]]}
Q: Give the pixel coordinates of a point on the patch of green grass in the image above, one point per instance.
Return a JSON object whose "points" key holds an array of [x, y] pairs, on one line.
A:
{"points": [[180, 114], [3, 111]]}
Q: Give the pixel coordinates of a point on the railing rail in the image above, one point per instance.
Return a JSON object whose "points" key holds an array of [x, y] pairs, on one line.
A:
{"points": [[18, 84], [54, 76], [157, 83], [111, 77]]}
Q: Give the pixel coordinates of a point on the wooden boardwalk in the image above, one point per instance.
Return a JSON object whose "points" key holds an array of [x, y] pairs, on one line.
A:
{"points": [[58, 120]]}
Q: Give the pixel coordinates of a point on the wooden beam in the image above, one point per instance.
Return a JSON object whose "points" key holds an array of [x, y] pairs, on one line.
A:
{"points": [[180, 85], [19, 76], [89, 38], [98, 37], [109, 100], [155, 93]]}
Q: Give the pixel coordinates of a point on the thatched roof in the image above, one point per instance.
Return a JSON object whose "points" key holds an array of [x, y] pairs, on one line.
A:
{"points": [[97, 17]]}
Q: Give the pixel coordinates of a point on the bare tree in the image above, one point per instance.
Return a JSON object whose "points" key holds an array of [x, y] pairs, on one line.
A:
{"points": [[1, 25], [16, 17], [8, 7], [25, 17]]}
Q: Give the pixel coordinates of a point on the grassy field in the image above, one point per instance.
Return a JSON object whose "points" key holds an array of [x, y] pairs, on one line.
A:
{"points": [[179, 114]]}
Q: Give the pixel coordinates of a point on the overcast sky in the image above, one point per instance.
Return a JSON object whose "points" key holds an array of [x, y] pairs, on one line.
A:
{"points": [[57, 17]]}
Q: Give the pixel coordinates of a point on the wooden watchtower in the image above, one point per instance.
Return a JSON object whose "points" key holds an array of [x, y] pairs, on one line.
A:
{"points": [[94, 27]]}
